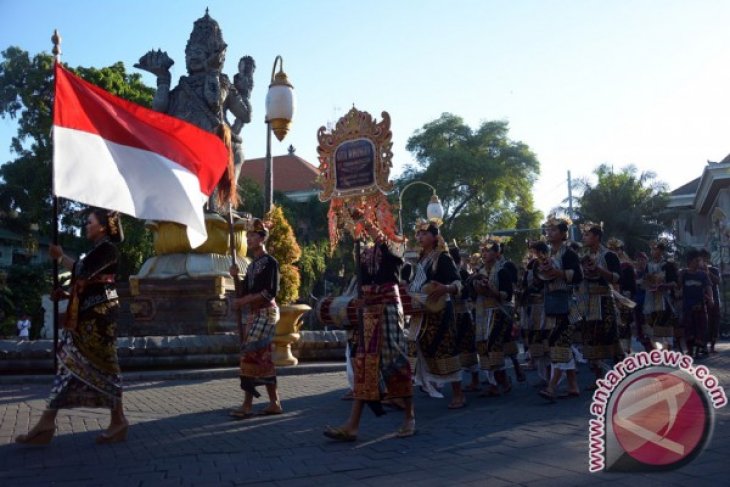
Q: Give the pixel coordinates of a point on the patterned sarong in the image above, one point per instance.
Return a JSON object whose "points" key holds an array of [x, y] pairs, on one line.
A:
{"points": [[88, 372]]}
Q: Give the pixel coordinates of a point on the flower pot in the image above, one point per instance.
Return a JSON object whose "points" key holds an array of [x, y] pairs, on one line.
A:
{"points": [[287, 332]]}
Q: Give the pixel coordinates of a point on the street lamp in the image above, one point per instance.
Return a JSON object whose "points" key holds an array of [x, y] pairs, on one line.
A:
{"points": [[434, 210], [280, 103]]}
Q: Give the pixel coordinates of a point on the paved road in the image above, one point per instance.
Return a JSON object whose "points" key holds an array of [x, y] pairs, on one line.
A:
{"points": [[181, 435]]}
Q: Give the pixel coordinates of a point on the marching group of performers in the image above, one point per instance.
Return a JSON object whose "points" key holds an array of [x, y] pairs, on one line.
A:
{"points": [[568, 303]]}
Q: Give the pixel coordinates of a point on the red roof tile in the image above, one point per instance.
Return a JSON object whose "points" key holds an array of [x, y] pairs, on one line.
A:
{"points": [[291, 173]]}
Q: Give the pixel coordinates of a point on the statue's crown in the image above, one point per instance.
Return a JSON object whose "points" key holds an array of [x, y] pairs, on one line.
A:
{"points": [[207, 32]]}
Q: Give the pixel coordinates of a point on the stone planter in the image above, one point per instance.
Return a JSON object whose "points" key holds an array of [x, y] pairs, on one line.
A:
{"points": [[287, 332]]}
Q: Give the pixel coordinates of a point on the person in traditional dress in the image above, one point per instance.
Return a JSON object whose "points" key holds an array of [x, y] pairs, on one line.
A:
{"points": [[696, 289], [494, 289], [380, 363], [642, 331], [713, 311], [601, 271], [558, 272], [627, 288], [88, 373], [258, 292], [532, 314], [659, 282], [463, 306], [433, 349]]}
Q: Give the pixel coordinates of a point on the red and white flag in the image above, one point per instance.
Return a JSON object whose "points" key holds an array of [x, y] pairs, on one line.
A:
{"points": [[115, 154]]}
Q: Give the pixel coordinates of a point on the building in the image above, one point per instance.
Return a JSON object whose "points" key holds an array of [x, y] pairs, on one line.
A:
{"points": [[293, 176], [702, 208], [19, 249]]}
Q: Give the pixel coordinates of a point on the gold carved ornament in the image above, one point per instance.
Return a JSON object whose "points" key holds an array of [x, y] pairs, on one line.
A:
{"points": [[363, 212]]}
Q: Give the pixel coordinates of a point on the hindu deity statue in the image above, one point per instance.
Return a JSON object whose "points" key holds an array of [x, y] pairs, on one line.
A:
{"points": [[205, 95]]}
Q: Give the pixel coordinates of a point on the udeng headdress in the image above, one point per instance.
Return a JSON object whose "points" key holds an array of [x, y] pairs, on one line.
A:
{"points": [[553, 221]]}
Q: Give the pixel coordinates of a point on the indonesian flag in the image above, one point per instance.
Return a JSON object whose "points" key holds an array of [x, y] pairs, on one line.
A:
{"points": [[112, 153]]}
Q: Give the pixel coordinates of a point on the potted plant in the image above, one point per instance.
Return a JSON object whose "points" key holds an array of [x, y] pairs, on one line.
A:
{"points": [[283, 246]]}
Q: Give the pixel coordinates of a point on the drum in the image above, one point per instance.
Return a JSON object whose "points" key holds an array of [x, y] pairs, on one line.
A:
{"points": [[337, 311]]}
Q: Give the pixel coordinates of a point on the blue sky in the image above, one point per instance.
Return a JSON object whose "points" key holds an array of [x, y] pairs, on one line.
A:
{"points": [[581, 82]]}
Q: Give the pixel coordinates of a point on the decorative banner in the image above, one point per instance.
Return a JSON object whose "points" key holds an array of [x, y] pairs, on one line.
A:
{"points": [[355, 157], [354, 162]]}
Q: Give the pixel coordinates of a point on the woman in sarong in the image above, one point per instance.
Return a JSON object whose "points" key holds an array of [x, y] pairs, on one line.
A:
{"points": [[88, 373], [433, 334]]}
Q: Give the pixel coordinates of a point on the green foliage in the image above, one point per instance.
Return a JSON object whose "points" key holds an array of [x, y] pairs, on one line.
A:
{"points": [[251, 196], [135, 249], [312, 265], [283, 246], [25, 286], [26, 95], [483, 178], [630, 204]]}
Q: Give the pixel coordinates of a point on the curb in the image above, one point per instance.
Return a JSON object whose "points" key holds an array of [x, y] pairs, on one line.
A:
{"points": [[190, 374]]}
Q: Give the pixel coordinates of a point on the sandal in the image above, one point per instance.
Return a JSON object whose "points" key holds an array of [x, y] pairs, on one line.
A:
{"points": [[37, 437], [339, 434], [457, 404], [270, 412], [490, 391], [241, 414], [569, 394], [407, 429], [546, 394]]}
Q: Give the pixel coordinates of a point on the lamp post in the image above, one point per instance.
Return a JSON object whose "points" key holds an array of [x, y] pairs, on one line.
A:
{"points": [[434, 210], [280, 104]]}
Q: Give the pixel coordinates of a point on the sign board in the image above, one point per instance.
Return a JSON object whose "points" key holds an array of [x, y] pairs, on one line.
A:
{"points": [[355, 157]]}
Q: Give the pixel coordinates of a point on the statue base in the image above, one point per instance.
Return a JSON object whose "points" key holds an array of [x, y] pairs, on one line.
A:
{"points": [[181, 290]]}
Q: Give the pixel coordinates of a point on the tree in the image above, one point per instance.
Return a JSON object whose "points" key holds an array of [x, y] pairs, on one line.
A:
{"points": [[284, 248], [483, 178], [26, 95], [630, 204]]}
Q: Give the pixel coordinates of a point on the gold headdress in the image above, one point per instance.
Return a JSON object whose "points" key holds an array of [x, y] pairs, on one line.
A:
{"points": [[615, 244]]}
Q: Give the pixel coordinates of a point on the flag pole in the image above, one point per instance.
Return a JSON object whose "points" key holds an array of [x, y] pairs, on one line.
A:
{"points": [[56, 39]]}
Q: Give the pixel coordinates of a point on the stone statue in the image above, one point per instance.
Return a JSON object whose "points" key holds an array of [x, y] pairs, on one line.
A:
{"points": [[205, 95]]}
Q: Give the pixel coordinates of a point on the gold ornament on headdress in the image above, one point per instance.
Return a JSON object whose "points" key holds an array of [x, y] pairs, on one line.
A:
{"points": [[490, 240], [475, 259], [586, 226], [112, 218], [259, 225], [422, 224], [614, 244], [663, 241]]}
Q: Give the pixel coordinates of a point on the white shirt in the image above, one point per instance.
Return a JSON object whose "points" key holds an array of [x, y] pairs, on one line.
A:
{"points": [[24, 328]]}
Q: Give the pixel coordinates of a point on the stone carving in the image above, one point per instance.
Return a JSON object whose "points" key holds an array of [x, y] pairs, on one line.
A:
{"points": [[205, 95]]}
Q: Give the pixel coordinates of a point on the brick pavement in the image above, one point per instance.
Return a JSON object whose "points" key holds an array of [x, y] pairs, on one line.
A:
{"points": [[181, 435]]}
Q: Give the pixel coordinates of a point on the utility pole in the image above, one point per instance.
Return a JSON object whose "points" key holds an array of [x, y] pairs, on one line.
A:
{"points": [[570, 206]]}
